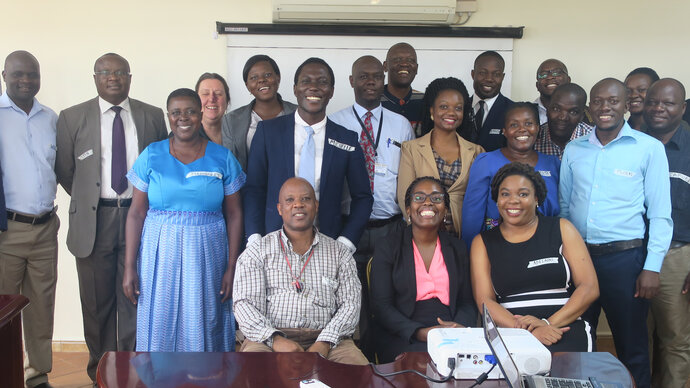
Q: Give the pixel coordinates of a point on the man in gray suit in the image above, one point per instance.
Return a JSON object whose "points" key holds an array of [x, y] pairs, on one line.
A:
{"points": [[98, 142]]}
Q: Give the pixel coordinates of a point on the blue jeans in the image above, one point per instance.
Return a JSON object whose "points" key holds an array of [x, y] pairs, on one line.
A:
{"points": [[626, 315]]}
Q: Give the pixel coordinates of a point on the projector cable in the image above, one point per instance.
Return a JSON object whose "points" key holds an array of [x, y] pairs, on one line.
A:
{"points": [[451, 365]]}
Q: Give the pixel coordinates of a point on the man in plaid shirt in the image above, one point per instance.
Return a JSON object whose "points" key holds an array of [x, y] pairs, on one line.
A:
{"points": [[565, 115], [297, 289]]}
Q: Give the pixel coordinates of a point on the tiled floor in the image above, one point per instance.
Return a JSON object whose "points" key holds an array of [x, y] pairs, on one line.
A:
{"points": [[69, 368]]}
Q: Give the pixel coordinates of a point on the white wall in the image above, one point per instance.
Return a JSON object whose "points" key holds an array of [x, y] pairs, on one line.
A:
{"points": [[169, 43]]}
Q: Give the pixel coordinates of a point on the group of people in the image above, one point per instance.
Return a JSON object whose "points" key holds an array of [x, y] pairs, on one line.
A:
{"points": [[402, 212]]}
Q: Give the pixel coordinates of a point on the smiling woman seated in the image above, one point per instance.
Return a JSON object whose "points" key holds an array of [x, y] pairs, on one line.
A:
{"points": [[420, 276], [532, 271]]}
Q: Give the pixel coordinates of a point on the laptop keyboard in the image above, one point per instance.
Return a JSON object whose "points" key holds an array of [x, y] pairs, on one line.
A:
{"points": [[566, 383]]}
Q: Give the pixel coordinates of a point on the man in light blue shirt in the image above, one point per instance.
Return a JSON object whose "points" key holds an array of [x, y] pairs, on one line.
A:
{"points": [[381, 132], [610, 181], [28, 249]]}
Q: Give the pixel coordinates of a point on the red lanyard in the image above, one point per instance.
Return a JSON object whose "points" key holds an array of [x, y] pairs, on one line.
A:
{"points": [[295, 280]]}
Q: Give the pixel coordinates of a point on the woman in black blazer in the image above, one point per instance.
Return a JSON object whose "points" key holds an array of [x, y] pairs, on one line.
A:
{"points": [[420, 276]]}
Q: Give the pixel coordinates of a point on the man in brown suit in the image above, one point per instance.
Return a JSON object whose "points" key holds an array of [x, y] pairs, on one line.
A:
{"points": [[98, 142]]}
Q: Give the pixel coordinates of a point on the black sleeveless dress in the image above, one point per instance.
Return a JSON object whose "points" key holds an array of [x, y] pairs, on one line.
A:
{"points": [[533, 278]]}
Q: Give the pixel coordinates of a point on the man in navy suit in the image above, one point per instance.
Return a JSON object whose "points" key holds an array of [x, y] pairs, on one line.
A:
{"points": [[308, 145], [488, 104]]}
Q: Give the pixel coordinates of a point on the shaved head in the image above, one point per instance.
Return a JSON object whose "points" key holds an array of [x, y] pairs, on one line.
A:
{"points": [[103, 57], [552, 62], [22, 75], [664, 106], [295, 182], [20, 55], [571, 88], [297, 205], [399, 46], [671, 83], [366, 59], [606, 82], [551, 74]]}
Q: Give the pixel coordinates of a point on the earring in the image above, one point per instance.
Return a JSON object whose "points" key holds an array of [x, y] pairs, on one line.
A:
{"points": [[432, 117]]}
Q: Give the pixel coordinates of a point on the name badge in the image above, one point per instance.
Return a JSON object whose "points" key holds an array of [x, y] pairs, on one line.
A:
{"points": [[340, 145], [85, 154], [680, 176], [380, 169], [625, 173], [544, 261], [495, 131], [212, 174], [545, 173]]}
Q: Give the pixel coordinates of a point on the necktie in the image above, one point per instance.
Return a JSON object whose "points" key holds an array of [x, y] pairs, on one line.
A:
{"points": [[307, 158], [479, 117], [368, 148], [118, 166]]}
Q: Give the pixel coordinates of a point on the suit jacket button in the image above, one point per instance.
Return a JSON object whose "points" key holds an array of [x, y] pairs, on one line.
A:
{"points": [[98, 184], [93, 208]]}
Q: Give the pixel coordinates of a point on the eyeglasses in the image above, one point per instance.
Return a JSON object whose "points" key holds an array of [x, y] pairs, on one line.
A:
{"points": [[187, 112], [434, 197], [553, 73], [116, 73]]}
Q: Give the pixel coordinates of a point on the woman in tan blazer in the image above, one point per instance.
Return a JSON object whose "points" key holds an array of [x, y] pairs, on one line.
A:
{"points": [[441, 153]]}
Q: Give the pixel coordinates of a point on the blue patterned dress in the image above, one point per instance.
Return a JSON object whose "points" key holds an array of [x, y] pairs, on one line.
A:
{"points": [[184, 250]]}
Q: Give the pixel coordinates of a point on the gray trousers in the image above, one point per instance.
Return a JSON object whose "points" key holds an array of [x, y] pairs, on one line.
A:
{"points": [[109, 318], [669, 323]]}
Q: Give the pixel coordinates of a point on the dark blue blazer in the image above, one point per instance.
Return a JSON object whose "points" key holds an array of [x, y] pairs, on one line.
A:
{"points": [[490, 135], [272, 161], [3, 210]]}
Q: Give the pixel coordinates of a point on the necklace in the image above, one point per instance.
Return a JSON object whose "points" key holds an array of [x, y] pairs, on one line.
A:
{"points": [[196, 156], [296, 280]]}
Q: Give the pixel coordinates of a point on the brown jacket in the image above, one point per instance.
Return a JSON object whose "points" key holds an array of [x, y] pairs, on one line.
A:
{"points": [[417, 160]]}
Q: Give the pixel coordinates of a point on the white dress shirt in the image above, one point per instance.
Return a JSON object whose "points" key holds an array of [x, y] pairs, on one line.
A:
{"points": [[488, 103], [319, 141], [542, 111], [131, 144], [396, 129]]}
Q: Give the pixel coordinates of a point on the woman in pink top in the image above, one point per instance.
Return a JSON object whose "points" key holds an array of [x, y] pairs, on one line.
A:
{"points": [[420, 276]]}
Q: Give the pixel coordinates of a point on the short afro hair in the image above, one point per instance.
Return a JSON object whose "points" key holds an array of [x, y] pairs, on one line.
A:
{"points": [[524, 170]]}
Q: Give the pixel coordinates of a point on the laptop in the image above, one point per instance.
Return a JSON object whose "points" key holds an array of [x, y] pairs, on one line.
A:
{"points": [[510, 371]]}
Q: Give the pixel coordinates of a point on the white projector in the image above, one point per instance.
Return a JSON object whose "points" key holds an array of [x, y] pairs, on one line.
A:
{"points": [[473, 356]]}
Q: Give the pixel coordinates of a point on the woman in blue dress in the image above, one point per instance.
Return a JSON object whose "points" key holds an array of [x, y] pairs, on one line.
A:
{"points": [[183, 235], [479, 211]]}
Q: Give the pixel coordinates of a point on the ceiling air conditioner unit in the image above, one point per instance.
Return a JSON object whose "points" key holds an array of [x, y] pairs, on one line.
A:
{"points": [[365, 11]]}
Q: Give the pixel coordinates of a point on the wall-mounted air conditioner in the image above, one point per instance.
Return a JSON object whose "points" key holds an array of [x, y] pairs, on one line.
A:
{"points": [[370, 11]]}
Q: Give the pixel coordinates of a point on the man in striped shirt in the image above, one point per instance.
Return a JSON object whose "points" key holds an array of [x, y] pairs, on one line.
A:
{"points": [[297, 289]]}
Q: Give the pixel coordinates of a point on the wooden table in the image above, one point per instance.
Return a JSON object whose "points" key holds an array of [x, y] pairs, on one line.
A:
{"points": [[248, 370], [11, 353]]}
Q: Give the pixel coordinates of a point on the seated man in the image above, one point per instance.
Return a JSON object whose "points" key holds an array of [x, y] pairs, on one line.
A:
{"points": [[297, 289]]}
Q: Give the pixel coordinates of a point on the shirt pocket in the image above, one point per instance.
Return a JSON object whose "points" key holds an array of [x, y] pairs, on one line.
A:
{"points": [[325, 293]]}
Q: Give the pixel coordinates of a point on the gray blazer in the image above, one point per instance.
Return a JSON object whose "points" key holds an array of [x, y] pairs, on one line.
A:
{"points": [[235, 127], [78, 162]]}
